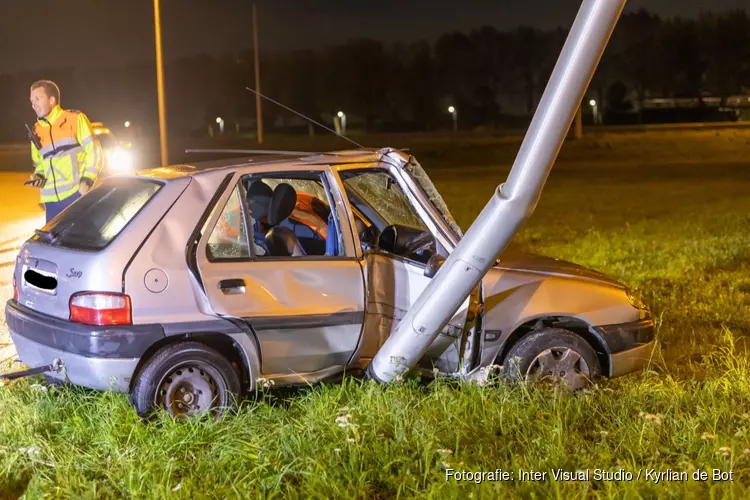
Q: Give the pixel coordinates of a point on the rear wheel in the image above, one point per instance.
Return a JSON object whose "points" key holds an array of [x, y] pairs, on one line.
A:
{"points": [[555, 355], [186, 379]]}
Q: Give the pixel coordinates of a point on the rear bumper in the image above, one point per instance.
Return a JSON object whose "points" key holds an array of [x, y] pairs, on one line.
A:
{"points": [[96, 373], [93, 356]]}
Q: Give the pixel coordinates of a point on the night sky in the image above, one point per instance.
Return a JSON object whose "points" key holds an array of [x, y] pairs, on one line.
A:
{"points": [[51, 33]]}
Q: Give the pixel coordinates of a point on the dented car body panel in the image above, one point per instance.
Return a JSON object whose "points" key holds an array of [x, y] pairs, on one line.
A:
{"points": [[199, 260]]}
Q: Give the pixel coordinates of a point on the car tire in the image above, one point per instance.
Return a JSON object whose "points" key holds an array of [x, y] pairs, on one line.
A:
{"points": [[556, 355], [186, 379]]}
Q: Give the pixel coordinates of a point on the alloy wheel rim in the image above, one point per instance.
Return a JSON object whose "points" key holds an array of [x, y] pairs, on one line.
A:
{"points": [[561, 364]]}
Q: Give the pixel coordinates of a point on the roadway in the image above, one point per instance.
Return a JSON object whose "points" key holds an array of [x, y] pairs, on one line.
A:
{"points": [[20, 214]]}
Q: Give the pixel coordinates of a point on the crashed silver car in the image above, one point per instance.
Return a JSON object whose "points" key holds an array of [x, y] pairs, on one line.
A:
{"points": [[184, 286]]}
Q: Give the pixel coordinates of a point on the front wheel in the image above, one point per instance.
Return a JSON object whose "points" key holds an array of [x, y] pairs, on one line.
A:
{"points": [[556, 355], [186, 379]]}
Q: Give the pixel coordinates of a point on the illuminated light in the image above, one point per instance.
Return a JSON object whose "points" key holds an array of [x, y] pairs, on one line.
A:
{"points": [[592, 102], [451, 109], [121, 161], [219, 120], [127, 124], [340, 114], [97, 132]]}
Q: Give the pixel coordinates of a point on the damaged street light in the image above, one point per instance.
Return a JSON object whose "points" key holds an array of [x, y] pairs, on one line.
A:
{"points": [[513, 201]]}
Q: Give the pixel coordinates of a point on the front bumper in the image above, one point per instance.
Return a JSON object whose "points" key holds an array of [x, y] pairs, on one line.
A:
{"points": [[100, 358], [631, 360], [629, 345]]}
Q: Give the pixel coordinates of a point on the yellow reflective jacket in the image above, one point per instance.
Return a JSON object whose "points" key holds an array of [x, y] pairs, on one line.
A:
{"points": [[69, 152]]}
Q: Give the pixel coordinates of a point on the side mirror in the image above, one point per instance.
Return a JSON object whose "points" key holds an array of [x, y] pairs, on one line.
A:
{"points": [[435, 262]]}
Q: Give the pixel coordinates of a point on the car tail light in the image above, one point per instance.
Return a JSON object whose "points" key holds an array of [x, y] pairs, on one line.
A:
{"points": [[100, 308], [15, 288]]}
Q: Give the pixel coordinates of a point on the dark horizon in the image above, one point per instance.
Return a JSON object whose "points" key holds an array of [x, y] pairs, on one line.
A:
{"points": [[67, 34]]}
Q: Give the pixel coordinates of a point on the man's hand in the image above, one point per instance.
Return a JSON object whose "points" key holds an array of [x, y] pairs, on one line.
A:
{"points": [[85, 186], [36, 180]]}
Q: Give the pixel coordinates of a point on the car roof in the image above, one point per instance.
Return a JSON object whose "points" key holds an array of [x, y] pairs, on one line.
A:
{"points": [[281, 160]]}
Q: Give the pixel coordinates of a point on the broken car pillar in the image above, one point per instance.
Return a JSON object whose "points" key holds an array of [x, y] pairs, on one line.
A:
{"points": [[513, 201]]}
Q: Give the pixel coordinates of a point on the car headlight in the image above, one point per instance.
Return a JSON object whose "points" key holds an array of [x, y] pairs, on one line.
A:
{"points": [[121, 161], [635, 300]]}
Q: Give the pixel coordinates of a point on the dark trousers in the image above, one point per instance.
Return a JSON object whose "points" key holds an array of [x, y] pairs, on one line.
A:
{"points": [[53, 208]]}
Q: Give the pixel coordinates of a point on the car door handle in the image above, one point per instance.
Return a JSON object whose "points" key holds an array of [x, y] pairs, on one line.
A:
{"points": [[232, 286]]}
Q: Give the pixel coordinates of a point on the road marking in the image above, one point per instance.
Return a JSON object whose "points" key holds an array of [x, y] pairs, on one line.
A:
{"points": [[8, 242], [10, 249]]}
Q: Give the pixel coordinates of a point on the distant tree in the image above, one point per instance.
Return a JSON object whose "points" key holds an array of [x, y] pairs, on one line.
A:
{"points": [[617, 98], [456, 58], [683, 59], [726, 39], [358, 75], [420, 84], [634, 50], [527, 51], [493, 72]]}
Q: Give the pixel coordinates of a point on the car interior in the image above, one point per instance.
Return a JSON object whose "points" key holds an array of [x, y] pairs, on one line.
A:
{"points": [[290, 223], [379, 231], [296, 222]]}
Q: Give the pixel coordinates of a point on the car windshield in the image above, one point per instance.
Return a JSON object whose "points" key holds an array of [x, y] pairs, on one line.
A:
{"points": [[377, 195], [92, 222], [423, 180]]}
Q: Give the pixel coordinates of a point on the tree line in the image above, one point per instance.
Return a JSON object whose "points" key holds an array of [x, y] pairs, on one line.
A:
{"points": [[493, 78]]}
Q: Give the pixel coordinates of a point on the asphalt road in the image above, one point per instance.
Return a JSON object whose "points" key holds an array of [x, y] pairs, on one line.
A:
{"points": [[20, 214]]}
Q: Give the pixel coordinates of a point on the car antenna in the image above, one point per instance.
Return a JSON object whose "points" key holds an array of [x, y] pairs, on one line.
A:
{"points": [[305, 117], [252, 152]]}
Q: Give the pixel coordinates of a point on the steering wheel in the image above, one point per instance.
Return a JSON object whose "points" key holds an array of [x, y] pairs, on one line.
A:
{"points": [[369, 236]]}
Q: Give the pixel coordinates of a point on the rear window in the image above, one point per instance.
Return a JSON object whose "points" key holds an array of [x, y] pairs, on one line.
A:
{"points": [[95, 220]]}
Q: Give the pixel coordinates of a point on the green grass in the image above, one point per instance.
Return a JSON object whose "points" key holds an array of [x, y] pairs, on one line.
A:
{"points": [[397, 441], [677, 229]]}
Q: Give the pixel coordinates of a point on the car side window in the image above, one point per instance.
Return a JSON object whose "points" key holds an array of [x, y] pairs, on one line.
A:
{"points": [[228, 239], [291, 215]]}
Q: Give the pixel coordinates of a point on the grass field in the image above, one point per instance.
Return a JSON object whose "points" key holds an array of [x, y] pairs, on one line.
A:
{"points": [[668, 213]]}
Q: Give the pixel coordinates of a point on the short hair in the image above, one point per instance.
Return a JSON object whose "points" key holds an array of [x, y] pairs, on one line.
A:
{"points": [[50, 88]]}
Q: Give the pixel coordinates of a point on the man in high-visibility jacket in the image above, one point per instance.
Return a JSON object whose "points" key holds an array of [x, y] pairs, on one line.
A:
{"points": [[67, 157]]}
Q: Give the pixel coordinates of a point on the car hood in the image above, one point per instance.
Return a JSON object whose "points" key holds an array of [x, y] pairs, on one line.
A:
{"points": [[537, 264]]}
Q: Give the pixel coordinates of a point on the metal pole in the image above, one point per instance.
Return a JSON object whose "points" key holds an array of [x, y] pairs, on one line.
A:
{"points": [[259, 114], [160, 87], [513, 201]]}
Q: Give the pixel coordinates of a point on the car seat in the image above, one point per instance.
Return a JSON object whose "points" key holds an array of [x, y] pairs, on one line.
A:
{"points": [[259, 196], [281, 241]]}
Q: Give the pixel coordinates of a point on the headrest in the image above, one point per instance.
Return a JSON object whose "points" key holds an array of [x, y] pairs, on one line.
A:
{"points": [[259, 198], [282, 203]]}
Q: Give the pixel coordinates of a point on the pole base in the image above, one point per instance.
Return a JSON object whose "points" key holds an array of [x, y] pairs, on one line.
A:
{"points": [[371, 375]]}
